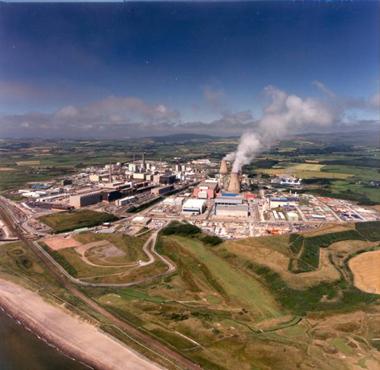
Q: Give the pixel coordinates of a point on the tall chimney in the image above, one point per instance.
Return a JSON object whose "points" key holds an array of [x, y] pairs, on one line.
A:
{"points": [[234, 186], [223, 167], [143, 160]]}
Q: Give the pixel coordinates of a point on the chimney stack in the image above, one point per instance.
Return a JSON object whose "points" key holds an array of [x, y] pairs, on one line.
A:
{"points": [[234, 186], [223, 167], [143, 161]]}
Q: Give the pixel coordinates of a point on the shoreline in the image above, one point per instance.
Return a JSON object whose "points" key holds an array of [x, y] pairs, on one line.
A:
{"points": [[37, 332], [68, 333]]}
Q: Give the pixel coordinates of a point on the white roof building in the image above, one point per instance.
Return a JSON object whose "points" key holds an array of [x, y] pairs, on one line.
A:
{"points": [[194, 206]]}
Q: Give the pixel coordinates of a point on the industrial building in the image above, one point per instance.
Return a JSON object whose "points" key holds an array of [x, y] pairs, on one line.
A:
{"points": [[230, 205], [283, 201], [228, 199], [110, 195], [125, 201], [167, 179], [162, 190], [239, 210], [86, 199], [206, 190], [194, 206]]}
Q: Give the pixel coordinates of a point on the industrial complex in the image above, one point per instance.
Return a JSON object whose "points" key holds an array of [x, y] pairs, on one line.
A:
{"points": [[205, 193]]}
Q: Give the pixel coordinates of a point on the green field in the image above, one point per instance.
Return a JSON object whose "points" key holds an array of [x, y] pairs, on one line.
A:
{"points": [[225, 308], [102, 265], [249, 292], [66, 221], [236, 309]]}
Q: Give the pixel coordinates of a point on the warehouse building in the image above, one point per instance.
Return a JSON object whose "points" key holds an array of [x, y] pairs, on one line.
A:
{"points": [[124, 201], [226, 200], [86, 199], [194, 206], [240, 210]]}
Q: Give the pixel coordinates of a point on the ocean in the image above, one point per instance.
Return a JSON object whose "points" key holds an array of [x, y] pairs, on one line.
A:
{"points": [[22, 350]]}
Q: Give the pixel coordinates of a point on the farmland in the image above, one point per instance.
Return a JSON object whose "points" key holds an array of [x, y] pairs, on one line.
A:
{"points": [[343, 166]]}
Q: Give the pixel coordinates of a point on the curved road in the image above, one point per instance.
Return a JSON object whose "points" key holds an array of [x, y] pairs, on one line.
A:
{"points": [[141, 338], [149, 249]]}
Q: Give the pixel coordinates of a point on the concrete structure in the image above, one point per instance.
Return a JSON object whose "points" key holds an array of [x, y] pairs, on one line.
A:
{"points": [[240, 210], [162, 190], [194, 206], [174, 201], [234, 186], [283, 201], [206, 190], [228, 200], [125, 201], [86, 199], [167, 179], [223, 168], [139, 175], [111, 195]]}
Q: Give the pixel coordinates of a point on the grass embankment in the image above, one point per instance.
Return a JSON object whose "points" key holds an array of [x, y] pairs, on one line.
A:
{"points": [[307, 249], [67, 221]]}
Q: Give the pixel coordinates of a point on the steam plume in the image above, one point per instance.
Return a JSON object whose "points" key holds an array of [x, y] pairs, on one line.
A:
{"points": [[283, 116]]}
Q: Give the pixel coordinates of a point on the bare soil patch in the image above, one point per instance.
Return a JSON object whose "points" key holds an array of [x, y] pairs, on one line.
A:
{"points": [[60, 242]]}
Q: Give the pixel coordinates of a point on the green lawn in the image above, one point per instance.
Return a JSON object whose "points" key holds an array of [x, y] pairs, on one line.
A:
{"points": [[67, 221], [236, 284]]}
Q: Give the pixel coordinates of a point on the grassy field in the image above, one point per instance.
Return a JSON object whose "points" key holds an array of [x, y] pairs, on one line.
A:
{"points": [[112, 262], [67, 221], [226, 308], [249, 292]]}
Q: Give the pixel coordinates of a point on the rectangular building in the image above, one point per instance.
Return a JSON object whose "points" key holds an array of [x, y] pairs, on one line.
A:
{"points": [[86, 199], [194, 206], [124, 201], [240, 210], [162, 190], [206, 190]]}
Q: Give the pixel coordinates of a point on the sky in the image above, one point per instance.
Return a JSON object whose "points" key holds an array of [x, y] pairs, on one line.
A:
{"points": [[137, 68]]}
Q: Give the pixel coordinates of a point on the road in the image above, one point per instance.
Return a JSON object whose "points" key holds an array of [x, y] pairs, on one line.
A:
{"points": [[149, 249], [143, 339]]}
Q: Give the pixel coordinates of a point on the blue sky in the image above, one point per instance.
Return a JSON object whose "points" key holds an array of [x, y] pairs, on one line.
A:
{"points": [[201, 60]]}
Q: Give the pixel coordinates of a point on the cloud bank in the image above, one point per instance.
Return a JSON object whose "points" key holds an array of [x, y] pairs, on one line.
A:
{"points": [[123, 117]]}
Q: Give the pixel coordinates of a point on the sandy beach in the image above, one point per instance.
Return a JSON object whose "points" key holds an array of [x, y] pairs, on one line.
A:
{"points": [[71, 334]]}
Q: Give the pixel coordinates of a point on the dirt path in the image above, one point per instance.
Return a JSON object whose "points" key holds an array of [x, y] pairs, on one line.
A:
{"points": [[75, 336]]}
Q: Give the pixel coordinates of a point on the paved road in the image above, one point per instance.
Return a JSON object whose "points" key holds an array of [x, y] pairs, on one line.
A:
{"points": [[138, 336]]}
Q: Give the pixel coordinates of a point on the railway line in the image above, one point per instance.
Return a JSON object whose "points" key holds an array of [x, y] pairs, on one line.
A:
{"points": [[154, 346]]}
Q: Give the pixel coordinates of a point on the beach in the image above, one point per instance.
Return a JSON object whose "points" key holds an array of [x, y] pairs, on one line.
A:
{"points": [[75, 337]]}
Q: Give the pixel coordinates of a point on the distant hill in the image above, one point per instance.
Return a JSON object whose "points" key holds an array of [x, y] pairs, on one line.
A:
{"points": [[186, 137]]}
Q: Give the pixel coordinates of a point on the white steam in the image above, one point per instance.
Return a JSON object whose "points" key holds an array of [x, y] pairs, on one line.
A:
{"points": [[284, 115]]}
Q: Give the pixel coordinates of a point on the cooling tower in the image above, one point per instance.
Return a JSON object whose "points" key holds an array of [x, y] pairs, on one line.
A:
{"points": [[234, 186], [223, 167]]}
